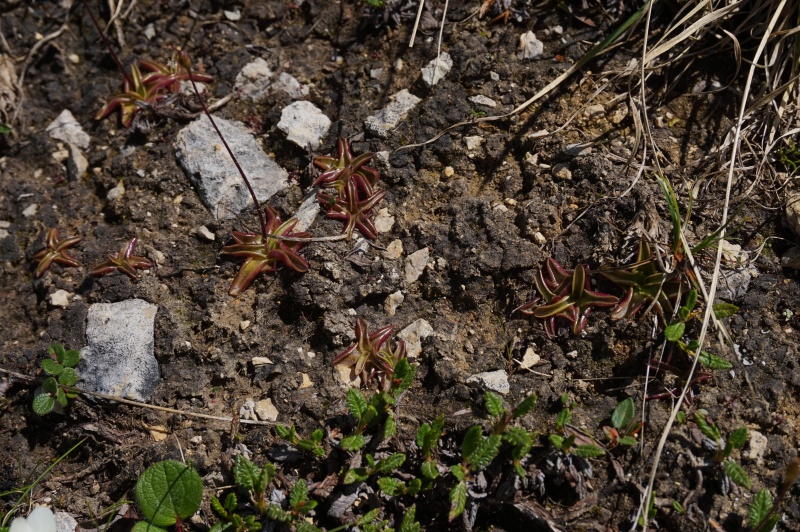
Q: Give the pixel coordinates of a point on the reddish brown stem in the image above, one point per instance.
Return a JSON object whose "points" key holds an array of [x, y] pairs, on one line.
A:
{"points": [[128, 80]]}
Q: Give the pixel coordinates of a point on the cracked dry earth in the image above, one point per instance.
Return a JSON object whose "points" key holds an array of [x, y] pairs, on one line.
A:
{"points": [[464, 226]]}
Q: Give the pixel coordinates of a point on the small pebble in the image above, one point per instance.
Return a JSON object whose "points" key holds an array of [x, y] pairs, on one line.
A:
{"points": [[203, 232], [448, 171]]}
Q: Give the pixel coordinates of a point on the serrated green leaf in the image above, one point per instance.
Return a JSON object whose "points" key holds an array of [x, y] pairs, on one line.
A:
{"points": [[244, 473], [409, 523], [51, 367], [472, 438], [61, 398], [57, 350], [219, 508], [759, 508], [556, 440], [519, 470], [724, 310], [623, 413], [368, 517], [317, 435], [422, 432], [429, 470], [389, 426], [370, 413], [352, 443], [715, 362], [284, 432], [485, 452], [44, 403], [144, 526], [263, 478], [404, 372], [355, 403], [517, 436], [391, 486], [68, 377], [305, 526], [562, 419], [458, 500], [708, 429], [494, 405], [674, 332], [299, 493], [458, 472], [627, 440], [390, 463], [169, 490], [276, 513], [71, 358], [588, 451], [736, 473], [738, 437], [525, 406], [230, 502]]}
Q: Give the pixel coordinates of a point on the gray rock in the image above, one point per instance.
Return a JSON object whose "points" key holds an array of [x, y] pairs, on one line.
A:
{"points": [[496, 381], [288, 84], [415, 265], [60, 298], [529, 46], [400, 104], [247, 410], [265, 410], [483, 100], [307, 212], [65, 522], [413, 336], [393, 301], [67, 129], [202, 156], [442, 66], [304, 124], [119, 359], [254, 80], [77, 163]]}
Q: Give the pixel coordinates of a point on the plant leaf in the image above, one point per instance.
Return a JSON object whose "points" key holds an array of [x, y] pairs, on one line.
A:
{"points": [[51, 367], [712, 361], [389, 464], [356, 403], [244, 473], [736, 473], [144, 526], [167, 491], [357, 474], [71, 358], [352, 443], [429, 470], [525, 406], [458, 500], [409, 523], [623, 413], [588, 451], [724, 310], [485, 452], [68, 377], [471, 440], [391, 486], [494, 405], [760, 507], [738, 437], [43, 404], [674, 331]]}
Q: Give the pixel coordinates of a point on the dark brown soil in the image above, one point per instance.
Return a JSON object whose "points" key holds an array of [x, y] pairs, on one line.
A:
{"points": [[489, 217]]}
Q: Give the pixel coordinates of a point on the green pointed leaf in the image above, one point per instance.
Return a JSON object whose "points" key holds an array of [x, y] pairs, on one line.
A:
{"points": [[429, 470], [317, 435], [674, 332], [588, 451], [708, 429], [458, 472], [356, 403], [299, 493], [556, 440], [623, 413], [389, 464], [61, 398], [51, 367], [167, 491], [284, 432], [759, 508], [485, 452], [244, 473], [43, 404], [263, 478], [219, 508], [305, 526], [494, 405], [389, 427], [736, 473], [724, 310], [144, 526], [404, 372], [409, 523], [525, 406], [627, 440], [391, 486], [472, 438], [691, 300], [715, 362], [352, 443], [57, 350], [738, 437], [458, 500]]}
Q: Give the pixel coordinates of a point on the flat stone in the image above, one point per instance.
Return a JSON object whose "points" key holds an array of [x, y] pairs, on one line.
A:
{"points": [[65, 522], [473, 143], [119, 359], [384, 221], [289, 84], [394, 250], [116, 192], [529, 46], [413, 336], [304, 124], [400, 104], [415, 265], [202, 156], [562, 171], [307, 212], [247, 410], [442, 66], [496, 381], [529, 359], [254, 80], [483, 100], [261, 361], [392, 302], [756, 447], [204, 233], [65, 128], [30, 210], [60, 298], [77, 165], [265, 410]]}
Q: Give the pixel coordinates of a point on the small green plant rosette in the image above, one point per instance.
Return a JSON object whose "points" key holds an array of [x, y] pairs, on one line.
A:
{"points": [[167, 491]]}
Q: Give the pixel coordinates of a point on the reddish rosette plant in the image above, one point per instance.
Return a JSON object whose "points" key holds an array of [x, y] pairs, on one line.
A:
{"points": [[55, 250], [124, 261], [265, 255], [371, 355]]}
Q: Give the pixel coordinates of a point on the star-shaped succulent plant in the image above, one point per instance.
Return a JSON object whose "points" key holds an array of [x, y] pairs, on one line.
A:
{"points": [[371, 356], [354, 211], [646, 285], [55, 250], [566, 295], [265, 256], [337, 172], [124, 261]]}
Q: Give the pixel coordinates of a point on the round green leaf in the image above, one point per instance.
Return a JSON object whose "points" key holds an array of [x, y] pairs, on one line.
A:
{"points": [[168, 490], [68, 377], [144, 526], [43, 403], [51, 367], [71, 358]]}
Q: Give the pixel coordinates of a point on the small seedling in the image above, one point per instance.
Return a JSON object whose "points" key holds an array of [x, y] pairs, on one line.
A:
{"points": [[567, 295], [124, 261], [265, 254], [55, 250], [310, 445], [566, 442], [624, 426], [428, 435], [520, 439], [736, 440], [167, 492], [371, 355], [57, 388]]}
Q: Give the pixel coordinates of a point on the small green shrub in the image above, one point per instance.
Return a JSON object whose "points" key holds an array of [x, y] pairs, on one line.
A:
{"points": [[57, 388]]}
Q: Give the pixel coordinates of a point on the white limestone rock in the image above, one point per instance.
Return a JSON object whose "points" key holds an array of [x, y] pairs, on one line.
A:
{"points": [[400, 104], [304, 124]]}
